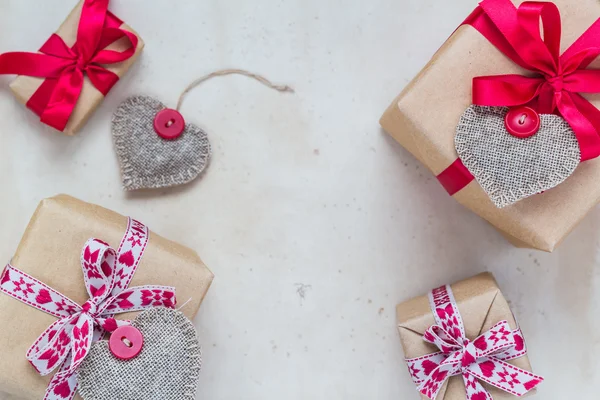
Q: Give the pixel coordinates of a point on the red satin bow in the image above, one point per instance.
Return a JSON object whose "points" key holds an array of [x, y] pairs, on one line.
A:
{"points": [[64, 67], [559, 79]]}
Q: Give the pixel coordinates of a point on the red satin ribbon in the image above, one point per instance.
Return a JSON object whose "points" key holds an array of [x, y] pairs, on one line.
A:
{"points": [[557, 81], [63, 67]]}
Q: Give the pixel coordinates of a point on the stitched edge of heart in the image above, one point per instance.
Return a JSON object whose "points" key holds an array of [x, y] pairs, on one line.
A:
{"points": [[486, 180], [156, 182], [146, 318]]}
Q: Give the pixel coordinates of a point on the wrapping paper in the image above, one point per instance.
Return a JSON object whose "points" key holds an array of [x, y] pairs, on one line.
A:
{"points": [[423, 119], [50, 251], [481, 305], [23, 87]]}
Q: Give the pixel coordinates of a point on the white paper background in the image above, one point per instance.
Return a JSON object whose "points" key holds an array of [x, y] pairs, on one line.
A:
{"points": [[314, 222]]}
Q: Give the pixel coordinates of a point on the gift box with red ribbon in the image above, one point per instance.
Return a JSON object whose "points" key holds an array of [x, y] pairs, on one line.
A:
{"points": [[76, 67], [80, 272], [462, 342], [504, 116]]}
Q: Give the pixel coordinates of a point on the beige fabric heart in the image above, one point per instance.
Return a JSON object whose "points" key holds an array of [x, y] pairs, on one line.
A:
{"points": [[508, 168], [149, 161], [167, 368]]}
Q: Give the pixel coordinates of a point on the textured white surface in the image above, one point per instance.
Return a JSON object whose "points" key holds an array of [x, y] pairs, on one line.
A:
{"points": [[315, 223]]}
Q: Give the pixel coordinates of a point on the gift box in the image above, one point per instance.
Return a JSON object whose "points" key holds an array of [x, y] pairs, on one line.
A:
{"points": [[67, 80], [462, 341], [426, 117], [51, 252]]}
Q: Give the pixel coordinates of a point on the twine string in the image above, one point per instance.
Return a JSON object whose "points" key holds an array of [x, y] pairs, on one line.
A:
{"points": [[224, 72]]}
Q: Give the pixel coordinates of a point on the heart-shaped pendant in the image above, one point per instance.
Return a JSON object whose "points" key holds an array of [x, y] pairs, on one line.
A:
{"points": [[167, 367], [511, 168], [149, 158]]}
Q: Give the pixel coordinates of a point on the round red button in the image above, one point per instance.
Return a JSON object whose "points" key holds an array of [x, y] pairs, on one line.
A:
{"points": [[126, 342], [169, 123], [522, 122]]}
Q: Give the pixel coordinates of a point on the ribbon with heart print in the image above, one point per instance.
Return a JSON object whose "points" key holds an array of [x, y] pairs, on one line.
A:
{"points": [[530, 36], [106, 274], [483, 359], [63, 67]]}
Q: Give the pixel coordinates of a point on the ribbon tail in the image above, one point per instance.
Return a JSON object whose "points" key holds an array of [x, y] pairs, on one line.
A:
{"points": [[504, 376], [474, 389], [435, 382], [63, 385]]}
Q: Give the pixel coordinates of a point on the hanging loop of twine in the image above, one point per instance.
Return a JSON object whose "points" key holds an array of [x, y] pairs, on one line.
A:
{"points": [[224, 72]]}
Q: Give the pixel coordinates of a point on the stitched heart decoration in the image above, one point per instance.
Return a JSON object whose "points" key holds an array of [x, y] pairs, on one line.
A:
{"points": [[509, 168], [148, 161], [167, 367]]}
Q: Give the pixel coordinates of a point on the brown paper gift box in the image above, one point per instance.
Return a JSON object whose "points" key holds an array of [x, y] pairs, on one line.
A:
{"points": [[423, 119], [50, 251], [23, 87], [481, 305]]}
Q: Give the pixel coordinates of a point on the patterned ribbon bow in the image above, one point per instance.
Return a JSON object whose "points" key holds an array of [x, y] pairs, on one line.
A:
{"points": [[483, 359], [107, 274], [64, 66]]}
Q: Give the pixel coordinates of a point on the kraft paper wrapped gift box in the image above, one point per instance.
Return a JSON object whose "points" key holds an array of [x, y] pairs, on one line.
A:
{"points": [[50, 252], [481, 306], [24, 87], [424, 117]]}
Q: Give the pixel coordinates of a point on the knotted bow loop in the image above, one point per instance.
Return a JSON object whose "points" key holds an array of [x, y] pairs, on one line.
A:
{"points": [[106, 275], [64, 66], [483, 359], [556, 80]]}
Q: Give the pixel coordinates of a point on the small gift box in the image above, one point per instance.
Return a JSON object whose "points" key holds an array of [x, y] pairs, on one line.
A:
{"points": [[502, 116], [76, 67], [43, 286], [462, 341]]}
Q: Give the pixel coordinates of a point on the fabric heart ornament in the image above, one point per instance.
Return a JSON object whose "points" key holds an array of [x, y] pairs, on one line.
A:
{"points": [[155, 146], [149, 161], [167, 367], [510, 168]]}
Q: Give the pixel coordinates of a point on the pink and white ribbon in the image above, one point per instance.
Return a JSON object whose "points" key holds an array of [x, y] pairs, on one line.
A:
{"points": [[483, 359], [106, 274]]}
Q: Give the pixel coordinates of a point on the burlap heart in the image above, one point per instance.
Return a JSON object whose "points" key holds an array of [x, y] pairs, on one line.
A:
{"points": [[167, 368], [149, 161], [508, 168]]}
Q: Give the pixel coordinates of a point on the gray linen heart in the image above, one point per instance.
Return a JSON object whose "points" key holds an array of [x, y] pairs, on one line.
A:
{"points": [[149, 161], [167, 368], [508, 168]]}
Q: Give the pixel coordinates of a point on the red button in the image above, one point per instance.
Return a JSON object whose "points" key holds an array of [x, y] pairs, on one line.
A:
{"points": [[169, 124], [522, 122], [126, 342]]}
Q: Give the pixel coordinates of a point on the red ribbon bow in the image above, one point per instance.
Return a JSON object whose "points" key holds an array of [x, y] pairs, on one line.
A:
{"points": [[556, 82], [483, 359], [64, 67], [559, 79]]}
